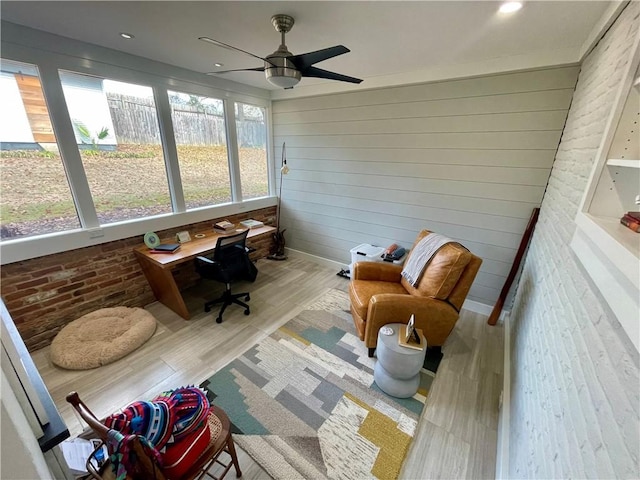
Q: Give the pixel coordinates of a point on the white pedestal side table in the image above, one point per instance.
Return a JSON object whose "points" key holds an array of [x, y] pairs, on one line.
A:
{"points": [[397, 371]]}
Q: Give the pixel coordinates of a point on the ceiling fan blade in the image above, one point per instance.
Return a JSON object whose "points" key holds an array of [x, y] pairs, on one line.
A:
{"points": [[305, 60], [231, 47], [320, 73], [257, 69]]}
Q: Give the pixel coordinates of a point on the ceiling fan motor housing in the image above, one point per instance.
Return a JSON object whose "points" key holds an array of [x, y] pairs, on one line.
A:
{"points": [[280, 71]]}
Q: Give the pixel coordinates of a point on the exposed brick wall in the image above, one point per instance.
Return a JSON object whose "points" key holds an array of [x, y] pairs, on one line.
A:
{"points": [[44, 294], [574, 375]]}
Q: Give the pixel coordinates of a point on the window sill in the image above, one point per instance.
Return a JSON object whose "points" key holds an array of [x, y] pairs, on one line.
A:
{"points": [[610, 253], [12, 251]]}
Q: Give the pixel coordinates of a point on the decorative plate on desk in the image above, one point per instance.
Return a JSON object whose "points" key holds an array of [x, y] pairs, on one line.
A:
{"points": [[151, 239]]}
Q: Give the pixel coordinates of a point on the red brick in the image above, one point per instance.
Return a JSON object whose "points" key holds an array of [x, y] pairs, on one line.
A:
{"points": [[83, 276], [108, 270], [54, 285], [108, 283], [46, 271], [32, 283], [56, 300], [114, 296], [14, 279], [73, 286], [20, 294], [19, 312], [85, 290]]}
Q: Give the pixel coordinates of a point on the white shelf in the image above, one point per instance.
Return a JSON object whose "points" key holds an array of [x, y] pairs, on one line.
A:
{"points": [[621, 243], [609, 251], [622, 162]]}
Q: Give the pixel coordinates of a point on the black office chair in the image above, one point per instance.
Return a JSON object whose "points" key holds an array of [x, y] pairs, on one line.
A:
{"points": [[230, 262]]}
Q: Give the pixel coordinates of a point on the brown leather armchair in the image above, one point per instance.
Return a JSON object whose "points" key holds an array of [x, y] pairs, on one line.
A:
{"points": [[380, 295]]}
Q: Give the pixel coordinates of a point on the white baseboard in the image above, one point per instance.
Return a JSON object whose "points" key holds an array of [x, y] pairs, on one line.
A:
{"points": [[470, 305], [504, 417], [313, 258], [483, 309]]}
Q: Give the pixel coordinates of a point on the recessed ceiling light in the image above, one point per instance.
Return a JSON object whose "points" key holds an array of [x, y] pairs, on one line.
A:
{"points": [[126, 35], [218, 64], [510, 7]]}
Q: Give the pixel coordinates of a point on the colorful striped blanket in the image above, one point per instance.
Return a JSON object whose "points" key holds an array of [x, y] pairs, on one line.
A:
{"points": [[162, 421]]}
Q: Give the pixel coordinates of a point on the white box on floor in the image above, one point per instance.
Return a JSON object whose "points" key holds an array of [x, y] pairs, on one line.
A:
{"points": [[365, 253]]}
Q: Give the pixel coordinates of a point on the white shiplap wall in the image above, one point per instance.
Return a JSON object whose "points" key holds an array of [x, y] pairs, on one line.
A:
{"points": [[466, 158], [575, 386]]}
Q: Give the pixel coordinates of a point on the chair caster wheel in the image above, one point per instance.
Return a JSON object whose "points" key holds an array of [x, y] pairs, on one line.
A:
{"points": [[207, 309], [219, 320], [247, 312], [247, 298]]}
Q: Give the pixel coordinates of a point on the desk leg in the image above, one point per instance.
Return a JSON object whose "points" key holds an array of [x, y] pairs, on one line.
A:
{"points": [[164, 287]]}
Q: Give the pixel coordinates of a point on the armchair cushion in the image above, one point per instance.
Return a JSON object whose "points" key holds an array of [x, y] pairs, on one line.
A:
{"points": [[442, 273], [434, 317], [362, 290]]}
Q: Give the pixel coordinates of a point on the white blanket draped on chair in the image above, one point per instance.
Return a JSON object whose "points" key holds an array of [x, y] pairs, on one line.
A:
{"points": [[421, 255]]}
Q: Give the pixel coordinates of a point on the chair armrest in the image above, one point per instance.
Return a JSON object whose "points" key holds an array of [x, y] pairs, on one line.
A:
{"points": [[377, 271], [434, 317], [205, 260], [87, 415], [211, 269]]}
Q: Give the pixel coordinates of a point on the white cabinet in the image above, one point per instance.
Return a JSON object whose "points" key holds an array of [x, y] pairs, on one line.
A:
{"points": [[609, 251]]}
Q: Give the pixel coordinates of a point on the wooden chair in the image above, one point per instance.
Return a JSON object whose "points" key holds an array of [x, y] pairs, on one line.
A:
{"points": [[148, 469]]}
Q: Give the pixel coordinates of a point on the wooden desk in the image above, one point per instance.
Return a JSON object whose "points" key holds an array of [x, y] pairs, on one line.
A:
{"points": [[157, 266]]}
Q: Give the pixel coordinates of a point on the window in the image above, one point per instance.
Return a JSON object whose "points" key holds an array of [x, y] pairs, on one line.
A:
{"points": [[252, 150], [201, 141], [36, 198], [117, 132]]}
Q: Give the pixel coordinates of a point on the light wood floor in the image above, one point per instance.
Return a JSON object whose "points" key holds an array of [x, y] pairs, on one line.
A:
{"points": [[456, 435]]}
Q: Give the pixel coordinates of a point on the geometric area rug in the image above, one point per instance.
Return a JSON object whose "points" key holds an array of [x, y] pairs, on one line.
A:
{"points": [[303, 403]]}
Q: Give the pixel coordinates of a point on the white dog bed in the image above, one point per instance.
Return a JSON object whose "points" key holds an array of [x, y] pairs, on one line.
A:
{"points": [[101, 337]]}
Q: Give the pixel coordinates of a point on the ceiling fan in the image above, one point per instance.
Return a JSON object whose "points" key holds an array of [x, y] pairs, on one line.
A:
{"points": [[282, 68]]}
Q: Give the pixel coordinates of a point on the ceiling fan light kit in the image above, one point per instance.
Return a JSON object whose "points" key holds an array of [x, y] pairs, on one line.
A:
{"points": [[282, 68], [279, 70], [284, 77]]}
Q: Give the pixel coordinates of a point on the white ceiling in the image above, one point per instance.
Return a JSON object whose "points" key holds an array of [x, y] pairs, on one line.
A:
{"points": [[390, 42]]}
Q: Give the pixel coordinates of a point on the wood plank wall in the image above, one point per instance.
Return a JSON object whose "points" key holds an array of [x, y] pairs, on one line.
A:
{"points": [[467, 158], [36, 108]]}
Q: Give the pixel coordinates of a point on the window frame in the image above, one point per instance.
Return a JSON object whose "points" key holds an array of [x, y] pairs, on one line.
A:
{"points": [[267, 118], [82, 58]]}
